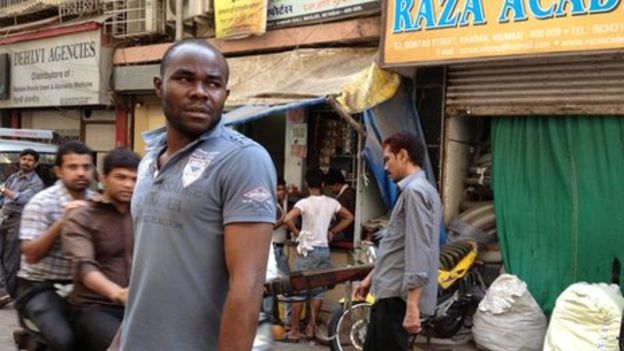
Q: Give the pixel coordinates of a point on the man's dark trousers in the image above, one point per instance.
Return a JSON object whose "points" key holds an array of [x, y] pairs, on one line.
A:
{"points": [[39, 302], [10, 252], [385, 329], [96, 326]]}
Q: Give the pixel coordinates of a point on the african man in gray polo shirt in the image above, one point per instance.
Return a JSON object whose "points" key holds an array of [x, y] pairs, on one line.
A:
{"points": [[204, 207], [404, 280]]}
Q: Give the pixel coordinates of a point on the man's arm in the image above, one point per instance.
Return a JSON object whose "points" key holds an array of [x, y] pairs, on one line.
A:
{"points": [[21, 198], [99, 283], [419, 255], [246, 256], [289, 220], [346, 218], [37, 248]]}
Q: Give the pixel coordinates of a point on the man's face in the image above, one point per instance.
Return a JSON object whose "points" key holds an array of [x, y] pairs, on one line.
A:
{"points": [[76, 172], [335, 188], [193, 89], [393, 164], [27, 163], [119, 184], [281, 192]]}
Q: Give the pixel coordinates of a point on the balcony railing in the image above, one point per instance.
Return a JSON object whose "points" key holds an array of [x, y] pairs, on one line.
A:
{"points": [[14, 8]]}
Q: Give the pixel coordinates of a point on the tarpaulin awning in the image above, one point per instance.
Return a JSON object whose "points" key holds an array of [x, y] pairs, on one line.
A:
{"points": [[282, 78], [270, 84]]}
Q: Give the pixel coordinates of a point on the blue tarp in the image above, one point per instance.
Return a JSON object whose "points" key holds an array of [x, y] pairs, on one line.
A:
{"points": [[395, 115], [250, 113]]}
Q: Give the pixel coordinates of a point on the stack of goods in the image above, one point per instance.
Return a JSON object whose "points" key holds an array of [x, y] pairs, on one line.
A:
{"points": [[477, 221], [330, 139]]}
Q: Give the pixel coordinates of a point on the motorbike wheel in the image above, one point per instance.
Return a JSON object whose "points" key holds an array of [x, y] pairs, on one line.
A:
{"points": [[347, 329]]}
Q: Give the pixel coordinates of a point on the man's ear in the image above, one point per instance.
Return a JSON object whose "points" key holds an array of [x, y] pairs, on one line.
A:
{"points": [[158, 85], [57, 171], [403, 156], [102, 179]]}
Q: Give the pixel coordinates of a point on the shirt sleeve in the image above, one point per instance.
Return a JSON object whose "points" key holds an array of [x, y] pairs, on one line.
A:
{"points": [[419, 250], [22, 197], [34, 220], [302, 205], [249, 186], [337, 206], [77, 243]]}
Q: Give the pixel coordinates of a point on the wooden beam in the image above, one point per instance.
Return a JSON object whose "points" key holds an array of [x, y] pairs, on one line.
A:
{"points": [[351, 31], [346, 116]]}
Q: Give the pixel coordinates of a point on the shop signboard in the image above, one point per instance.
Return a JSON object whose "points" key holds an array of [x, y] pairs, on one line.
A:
{"points": [[283, 13], [239, 18], [444, 31], [58, 71]]}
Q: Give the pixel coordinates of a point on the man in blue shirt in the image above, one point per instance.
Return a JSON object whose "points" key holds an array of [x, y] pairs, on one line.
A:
{"points": [[17, 190]]}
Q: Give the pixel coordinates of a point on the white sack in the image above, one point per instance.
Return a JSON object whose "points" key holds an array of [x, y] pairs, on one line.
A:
{"points": [[586, 317], [508, 318]]}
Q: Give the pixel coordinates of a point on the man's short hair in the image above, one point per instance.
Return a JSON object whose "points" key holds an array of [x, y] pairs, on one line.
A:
{"points": [[30, 152], [315, 178], [334, 176], [121, 158], [192, 41], [409, 142], [281, 181], [71, 147]]}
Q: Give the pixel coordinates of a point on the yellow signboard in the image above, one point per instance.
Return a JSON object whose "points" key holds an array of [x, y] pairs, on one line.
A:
{"points": [[240, 18], [442, 31]]}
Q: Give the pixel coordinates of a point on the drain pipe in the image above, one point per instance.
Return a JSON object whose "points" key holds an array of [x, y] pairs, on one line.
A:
{"points": [[179, 19]]}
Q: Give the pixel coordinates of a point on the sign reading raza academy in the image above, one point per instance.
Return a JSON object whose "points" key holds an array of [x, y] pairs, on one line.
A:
{"points": [[64, 70], [435, 31]]}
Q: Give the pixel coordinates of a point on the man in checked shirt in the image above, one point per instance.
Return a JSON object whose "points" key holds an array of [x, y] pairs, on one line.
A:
{"points": [[43, 263]]}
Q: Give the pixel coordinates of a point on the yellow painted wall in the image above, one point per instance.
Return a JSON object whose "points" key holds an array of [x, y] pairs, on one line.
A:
{"points": [[148, 115]]}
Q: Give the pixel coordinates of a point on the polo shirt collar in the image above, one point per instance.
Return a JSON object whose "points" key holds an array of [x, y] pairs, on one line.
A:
{"points": [[403, 183], [156, 138]]}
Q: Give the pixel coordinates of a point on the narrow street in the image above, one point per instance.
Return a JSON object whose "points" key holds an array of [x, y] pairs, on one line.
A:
{"points": [[8, 322]]}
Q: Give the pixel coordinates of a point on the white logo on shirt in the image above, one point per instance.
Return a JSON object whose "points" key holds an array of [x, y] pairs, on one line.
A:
{"points": [[196, 165], [259, 194]]}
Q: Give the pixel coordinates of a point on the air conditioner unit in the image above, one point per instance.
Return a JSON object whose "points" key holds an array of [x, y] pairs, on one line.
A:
{"points": [[135, 18], [190, 9]]}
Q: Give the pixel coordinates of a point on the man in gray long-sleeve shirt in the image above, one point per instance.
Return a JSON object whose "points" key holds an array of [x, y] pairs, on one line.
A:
{"points": [[17, 190], [404, 280]]}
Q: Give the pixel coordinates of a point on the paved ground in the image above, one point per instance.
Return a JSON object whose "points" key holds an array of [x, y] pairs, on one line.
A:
{"points": [[8, 322]]}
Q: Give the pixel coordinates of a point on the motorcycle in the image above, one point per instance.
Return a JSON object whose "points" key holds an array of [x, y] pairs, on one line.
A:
{"points": [[460, 288]]}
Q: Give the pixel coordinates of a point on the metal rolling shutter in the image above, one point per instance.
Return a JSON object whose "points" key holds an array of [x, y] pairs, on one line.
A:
{"points": [[586, 84]]}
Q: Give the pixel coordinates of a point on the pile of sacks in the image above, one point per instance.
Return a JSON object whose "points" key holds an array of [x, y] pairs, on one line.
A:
{"points": [[587, 317]]}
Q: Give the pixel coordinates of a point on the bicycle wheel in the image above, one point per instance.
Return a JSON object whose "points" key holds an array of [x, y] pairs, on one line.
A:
{"points": [[347, 329]]}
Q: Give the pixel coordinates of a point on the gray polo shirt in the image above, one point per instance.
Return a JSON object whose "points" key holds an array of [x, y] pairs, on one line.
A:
{"points": [[408, 254], [179, 278]]}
